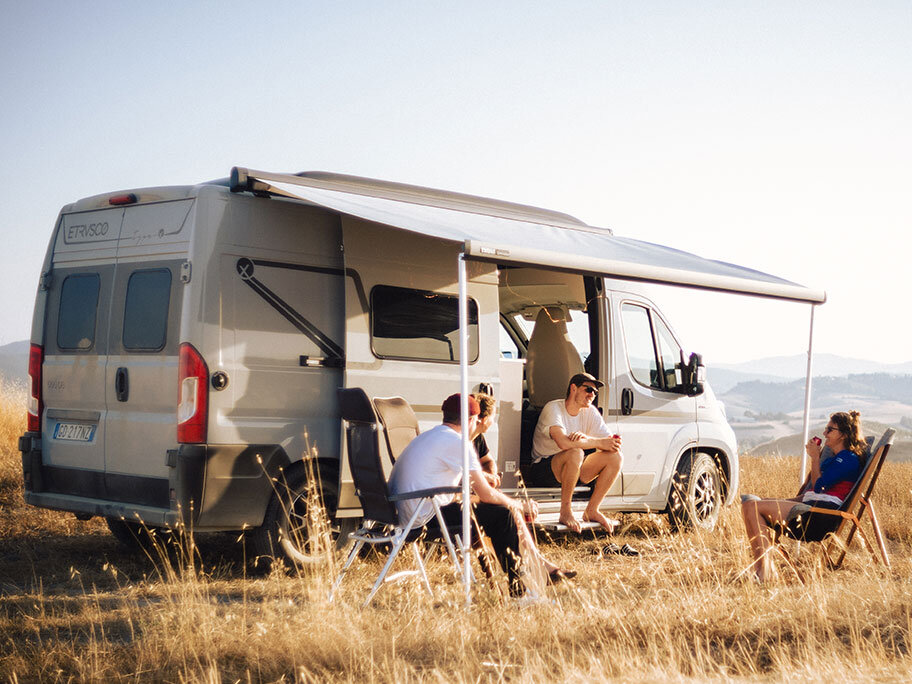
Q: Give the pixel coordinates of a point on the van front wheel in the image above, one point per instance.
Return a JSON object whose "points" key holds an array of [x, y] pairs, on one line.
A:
{"points": [[696, 493], [298, 527]]}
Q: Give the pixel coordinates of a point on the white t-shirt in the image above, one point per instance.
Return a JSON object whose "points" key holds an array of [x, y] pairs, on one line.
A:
{"points": [[588, 421], [432, 459]]}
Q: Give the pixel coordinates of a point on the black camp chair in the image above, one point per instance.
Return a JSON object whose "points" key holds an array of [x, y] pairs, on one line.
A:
{"points": [[835, 528], [381, 519]]}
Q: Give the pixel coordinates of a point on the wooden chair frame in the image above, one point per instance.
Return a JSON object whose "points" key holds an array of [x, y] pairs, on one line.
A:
{"points": [[835, 544]]}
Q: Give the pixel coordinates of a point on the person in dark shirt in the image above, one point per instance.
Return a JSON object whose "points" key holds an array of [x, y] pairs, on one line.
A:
{"points": [[830, 482], [485, 420]]}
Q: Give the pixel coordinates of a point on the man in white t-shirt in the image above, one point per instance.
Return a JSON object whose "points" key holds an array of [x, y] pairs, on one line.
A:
{"points": [[434, 459], [566, 430]]}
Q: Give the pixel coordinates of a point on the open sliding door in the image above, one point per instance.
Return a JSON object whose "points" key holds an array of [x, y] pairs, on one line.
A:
{"points": [[402, 321]]}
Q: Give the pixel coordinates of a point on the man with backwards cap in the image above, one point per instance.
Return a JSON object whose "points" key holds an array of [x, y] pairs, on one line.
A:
{"points": [[434, 459], [568, 428]]}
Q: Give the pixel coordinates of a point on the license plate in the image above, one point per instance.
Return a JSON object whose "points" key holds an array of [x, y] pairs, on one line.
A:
{"points": [[74, 432]]}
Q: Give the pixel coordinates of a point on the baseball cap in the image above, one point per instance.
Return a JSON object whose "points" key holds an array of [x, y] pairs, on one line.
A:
{"points": [[451, 405], [580, 378]]}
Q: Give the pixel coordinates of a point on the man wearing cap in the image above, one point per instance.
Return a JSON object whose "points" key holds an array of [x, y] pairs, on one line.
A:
{"points": [[434, 459], [568, 428]]}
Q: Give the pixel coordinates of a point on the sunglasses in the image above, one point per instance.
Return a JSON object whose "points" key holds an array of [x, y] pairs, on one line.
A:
{"points": [[828, 429], [590, 390]]}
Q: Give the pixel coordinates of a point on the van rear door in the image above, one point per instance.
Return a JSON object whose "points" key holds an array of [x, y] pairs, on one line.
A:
{"points": [[141, 376], [80, 287]]}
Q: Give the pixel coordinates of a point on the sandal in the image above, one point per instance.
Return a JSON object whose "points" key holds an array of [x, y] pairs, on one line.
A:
{"points": [[625, 550], [559, 575]]}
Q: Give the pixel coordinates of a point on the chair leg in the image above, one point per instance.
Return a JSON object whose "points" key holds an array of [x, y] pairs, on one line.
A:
{"points": [[397, 546], [877, 535], [421, 570], [348, 561]]}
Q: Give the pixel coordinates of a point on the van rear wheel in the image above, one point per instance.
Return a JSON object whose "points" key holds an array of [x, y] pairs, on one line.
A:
{"points": [[695, 501], [299, 527]]}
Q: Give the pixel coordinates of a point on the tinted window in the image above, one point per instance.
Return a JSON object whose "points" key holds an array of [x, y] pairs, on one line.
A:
{"points": [[78, 311], [641, 356], [419, 324], [669, 354], [146, 310]]}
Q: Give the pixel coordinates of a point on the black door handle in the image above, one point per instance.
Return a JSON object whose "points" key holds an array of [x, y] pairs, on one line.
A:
{"points": [[626, 401], [122, 384]]}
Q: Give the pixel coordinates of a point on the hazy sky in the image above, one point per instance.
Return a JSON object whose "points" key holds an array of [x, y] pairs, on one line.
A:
{"points": [[775, 135]]}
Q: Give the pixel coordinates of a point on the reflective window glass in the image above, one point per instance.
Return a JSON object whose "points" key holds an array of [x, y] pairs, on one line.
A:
{"points": [[641, 356], [419, 324], [146, 310], [78, 311]]}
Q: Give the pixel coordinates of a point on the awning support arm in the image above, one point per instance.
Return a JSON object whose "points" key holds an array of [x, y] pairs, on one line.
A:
{"points": [[464, 413], [807, 399]]}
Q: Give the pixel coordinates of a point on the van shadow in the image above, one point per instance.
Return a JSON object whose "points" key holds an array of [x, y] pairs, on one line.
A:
{"points": [[68, 563]]}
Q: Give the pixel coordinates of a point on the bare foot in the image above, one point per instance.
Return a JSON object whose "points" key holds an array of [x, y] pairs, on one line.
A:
{"points": [[596, 516], [570, 521]]}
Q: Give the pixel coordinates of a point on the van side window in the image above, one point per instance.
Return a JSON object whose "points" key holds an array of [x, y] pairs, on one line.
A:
{"points": [[669, 354], [146, 310], [641, 353], [78, 311], [419, 324]]}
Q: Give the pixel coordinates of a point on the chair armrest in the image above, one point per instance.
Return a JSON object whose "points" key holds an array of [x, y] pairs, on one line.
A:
{"points": [[424, 493]]}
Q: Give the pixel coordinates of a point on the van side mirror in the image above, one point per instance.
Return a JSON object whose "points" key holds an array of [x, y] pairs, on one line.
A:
{"points": [[694, 376]]}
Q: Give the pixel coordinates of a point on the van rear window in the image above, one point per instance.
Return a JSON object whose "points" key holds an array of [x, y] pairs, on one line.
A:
{"points": [[419, 324], [78, 311], [146, 310]]}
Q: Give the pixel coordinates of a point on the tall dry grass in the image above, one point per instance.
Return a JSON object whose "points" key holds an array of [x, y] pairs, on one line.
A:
{"points": [[74, 606]]}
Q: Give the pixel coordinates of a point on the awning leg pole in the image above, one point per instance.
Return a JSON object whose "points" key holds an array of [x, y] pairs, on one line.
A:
{"points": [[464, 412], [807, 399]]}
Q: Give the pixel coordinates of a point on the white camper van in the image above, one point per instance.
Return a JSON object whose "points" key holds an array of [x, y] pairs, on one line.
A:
{"points": [[188, 342]]}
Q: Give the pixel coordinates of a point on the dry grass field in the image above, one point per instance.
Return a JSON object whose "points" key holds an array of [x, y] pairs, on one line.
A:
{"points": [[75, 606]]}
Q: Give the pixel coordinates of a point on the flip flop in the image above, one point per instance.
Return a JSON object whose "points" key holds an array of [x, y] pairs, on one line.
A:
{"points": [[625, 550], [559, 575]]}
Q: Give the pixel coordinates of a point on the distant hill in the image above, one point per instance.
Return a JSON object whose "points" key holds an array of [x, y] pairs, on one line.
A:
{"points": [[788, 397], [14, 361], [791, 445], [794, 367]]}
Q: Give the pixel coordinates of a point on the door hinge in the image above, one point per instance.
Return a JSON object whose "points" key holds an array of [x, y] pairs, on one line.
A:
{"points": [[186, 269]]}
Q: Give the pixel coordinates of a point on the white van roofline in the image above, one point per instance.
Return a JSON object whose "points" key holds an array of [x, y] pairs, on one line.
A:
{"points": [[502, 232]]}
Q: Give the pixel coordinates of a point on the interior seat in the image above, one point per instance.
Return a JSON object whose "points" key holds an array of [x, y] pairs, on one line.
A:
{"points": [[551, 358]]}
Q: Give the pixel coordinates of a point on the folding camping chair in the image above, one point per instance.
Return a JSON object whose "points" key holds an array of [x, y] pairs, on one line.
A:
{"points": [[382, 524], [836, 531], [400, 426]]}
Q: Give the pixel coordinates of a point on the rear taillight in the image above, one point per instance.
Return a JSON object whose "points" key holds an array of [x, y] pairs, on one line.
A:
{"points": [[192, 397], [35, 403]]}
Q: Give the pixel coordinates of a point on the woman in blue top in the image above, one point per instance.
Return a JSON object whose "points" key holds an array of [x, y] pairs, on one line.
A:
{"points": [[831, 481]]}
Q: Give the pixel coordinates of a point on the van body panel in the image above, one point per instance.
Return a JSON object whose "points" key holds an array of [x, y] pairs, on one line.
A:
{"points": [[273, 304]]}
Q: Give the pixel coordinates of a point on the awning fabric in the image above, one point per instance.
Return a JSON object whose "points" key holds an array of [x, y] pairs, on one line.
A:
{"points": [[512, 234]]}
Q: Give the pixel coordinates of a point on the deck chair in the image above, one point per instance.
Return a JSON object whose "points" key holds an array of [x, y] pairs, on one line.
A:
{"points": [[836, 528], [382, 525], [400, 424]]}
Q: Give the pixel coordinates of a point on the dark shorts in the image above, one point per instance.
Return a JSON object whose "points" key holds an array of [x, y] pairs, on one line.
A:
{"points": [[541, 475], [806, 526]]}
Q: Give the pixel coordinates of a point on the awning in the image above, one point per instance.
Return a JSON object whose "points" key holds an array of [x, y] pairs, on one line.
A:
{"points": [[508, 233]]}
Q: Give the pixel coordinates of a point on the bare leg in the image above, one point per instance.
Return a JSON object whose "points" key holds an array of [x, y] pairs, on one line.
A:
{"points": [[566, 468], [759, 519], [603, 467], [527, 543]]}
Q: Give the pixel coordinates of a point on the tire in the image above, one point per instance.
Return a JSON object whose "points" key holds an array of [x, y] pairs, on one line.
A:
{"points": [[695, 500], [285, 533], [136, 536]]}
